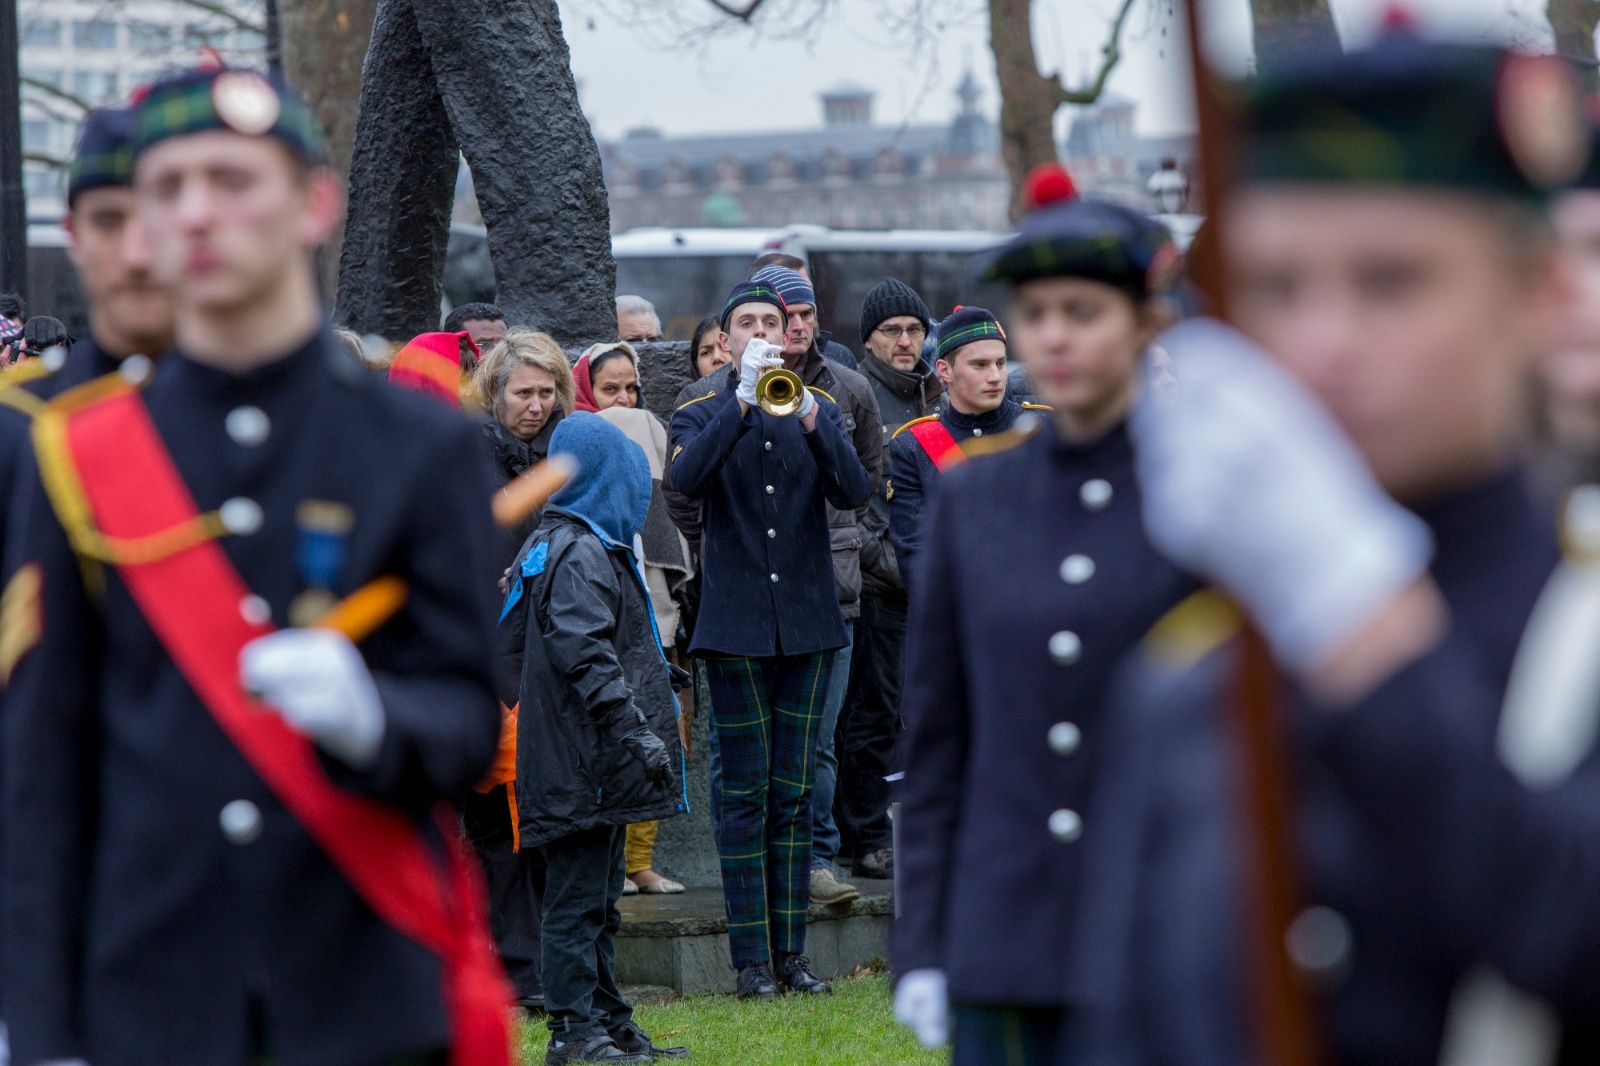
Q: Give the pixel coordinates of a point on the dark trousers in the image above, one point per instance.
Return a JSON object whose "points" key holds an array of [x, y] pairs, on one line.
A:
{"points": [[583, 882], [870, 726], [1010, 1036], [515, 880], [767, 713]]}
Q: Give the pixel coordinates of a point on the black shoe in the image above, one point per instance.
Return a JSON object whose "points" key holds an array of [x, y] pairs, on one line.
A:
{"points": [[532, 1006], [876, 864], [635, 1041], [794, 972], [595, 1049], [756, 982]]}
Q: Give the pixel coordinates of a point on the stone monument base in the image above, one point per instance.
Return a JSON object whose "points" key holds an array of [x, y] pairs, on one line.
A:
{"points": [[681, 942]]}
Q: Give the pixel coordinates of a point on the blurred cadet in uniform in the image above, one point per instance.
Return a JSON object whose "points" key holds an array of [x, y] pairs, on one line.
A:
{"points": [[1406, 292], [128, 312], [236, 849], [768, 627], [1570, 370], [1035, 580]]}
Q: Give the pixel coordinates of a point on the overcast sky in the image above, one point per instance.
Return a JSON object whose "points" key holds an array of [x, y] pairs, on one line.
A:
{"points": [[638, 71]]}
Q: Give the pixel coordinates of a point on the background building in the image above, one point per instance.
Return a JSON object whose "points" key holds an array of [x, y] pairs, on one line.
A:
{"points": [[83, 53], [848, 173], [1107, 156]]}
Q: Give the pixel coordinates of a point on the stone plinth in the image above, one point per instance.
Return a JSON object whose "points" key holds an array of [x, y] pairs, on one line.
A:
{"points": [[681, 942]]}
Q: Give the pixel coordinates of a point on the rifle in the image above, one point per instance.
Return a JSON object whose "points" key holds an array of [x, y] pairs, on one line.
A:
{"points": [[1285, 1029]]}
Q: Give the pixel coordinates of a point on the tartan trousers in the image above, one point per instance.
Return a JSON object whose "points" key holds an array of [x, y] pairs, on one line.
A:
{"points": [[767, 712]]}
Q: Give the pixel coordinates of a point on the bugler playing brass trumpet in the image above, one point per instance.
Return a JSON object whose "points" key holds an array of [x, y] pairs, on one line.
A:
{"points": [[779, 391]]}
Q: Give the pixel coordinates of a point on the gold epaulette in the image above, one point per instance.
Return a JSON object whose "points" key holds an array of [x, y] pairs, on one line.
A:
{"points": [[975, 447], [697, 399], [1037, 407], [823, 394], [913, 422], [14, 377], [1192, 630]]}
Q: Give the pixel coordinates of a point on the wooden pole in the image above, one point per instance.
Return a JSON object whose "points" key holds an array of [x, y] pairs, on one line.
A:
{"points": [[1285, 1030]]}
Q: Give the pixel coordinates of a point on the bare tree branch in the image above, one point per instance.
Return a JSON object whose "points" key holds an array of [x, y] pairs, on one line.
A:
{"points": [[226, 13], [217, 9], [1111, 55], [54, 162], [744, 14], [56, 93]]}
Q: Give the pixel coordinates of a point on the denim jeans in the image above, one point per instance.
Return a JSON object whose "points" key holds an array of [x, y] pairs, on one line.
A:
{"points": [[824, 831]]}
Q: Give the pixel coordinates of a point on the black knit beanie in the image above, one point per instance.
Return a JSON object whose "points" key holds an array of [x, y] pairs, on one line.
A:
{"points": [[890, 298]]}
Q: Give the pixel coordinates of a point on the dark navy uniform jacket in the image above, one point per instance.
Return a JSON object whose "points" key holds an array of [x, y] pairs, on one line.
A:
{"points": [[140, 932], [1412, 831], [766, 563], [1036, 580], [912, 474], [85, 361]]}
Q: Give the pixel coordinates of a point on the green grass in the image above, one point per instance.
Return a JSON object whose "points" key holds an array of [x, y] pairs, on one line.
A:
{"points": [[854, 1027]]}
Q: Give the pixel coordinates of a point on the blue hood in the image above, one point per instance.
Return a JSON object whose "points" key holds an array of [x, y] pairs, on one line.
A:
{"points": [[612, 486]]}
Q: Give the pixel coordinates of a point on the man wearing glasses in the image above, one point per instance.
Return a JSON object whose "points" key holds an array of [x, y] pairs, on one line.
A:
{"points": [[894, 324]]}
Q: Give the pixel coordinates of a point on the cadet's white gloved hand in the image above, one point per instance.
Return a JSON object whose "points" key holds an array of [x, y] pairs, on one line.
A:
{"points": [[808, 404], [759, 357], [1248, 481], [320, 684], [922, 1004]]}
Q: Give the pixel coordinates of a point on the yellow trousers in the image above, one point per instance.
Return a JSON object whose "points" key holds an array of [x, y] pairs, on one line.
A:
{"points": [[640, 846]]}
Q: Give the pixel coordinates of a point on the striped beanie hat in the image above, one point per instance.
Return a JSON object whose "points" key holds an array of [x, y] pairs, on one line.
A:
{"points": [[431, 363], [966, 325], [220, 98], [790, 285]]}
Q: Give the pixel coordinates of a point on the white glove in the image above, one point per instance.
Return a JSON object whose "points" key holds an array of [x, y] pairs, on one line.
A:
{"points": [[759, 357], [808, 403], [1247, 481], [922, 1004], [318, 681]]}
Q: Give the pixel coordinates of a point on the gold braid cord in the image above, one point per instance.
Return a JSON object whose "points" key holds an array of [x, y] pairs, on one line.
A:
{"points": [[13, 395], [65, 488]]}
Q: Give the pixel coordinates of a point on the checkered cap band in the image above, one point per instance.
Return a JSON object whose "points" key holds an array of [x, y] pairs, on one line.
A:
{"points": [[184, 104]]}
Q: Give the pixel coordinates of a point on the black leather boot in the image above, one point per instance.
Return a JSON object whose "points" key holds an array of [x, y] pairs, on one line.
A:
{"points": [[794, 973]]}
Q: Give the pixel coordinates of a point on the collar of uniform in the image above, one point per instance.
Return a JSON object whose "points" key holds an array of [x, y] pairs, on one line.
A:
{"points": [[313, 353], [1110, 444], [97, 361], [1471, 516], [987, 421]]}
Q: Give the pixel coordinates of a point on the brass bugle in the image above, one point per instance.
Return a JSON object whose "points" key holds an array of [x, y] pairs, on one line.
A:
{"points": [[779, 391]]}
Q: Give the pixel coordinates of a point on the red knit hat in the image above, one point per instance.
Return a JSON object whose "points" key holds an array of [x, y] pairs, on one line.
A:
{"points": [[431, 363]]}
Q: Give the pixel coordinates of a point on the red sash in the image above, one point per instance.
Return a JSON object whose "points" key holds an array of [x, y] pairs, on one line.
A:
{"points": [[938, 443], [191, 599]]}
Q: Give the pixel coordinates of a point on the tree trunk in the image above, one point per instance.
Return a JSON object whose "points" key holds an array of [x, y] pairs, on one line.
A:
{"points": [[324, 44], [1573, 22], [1292, 25], [1028, 99]]}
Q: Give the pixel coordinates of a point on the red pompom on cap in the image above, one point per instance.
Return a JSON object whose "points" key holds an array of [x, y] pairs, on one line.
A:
{"points": [[1397, 18], [1047, 183]]}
